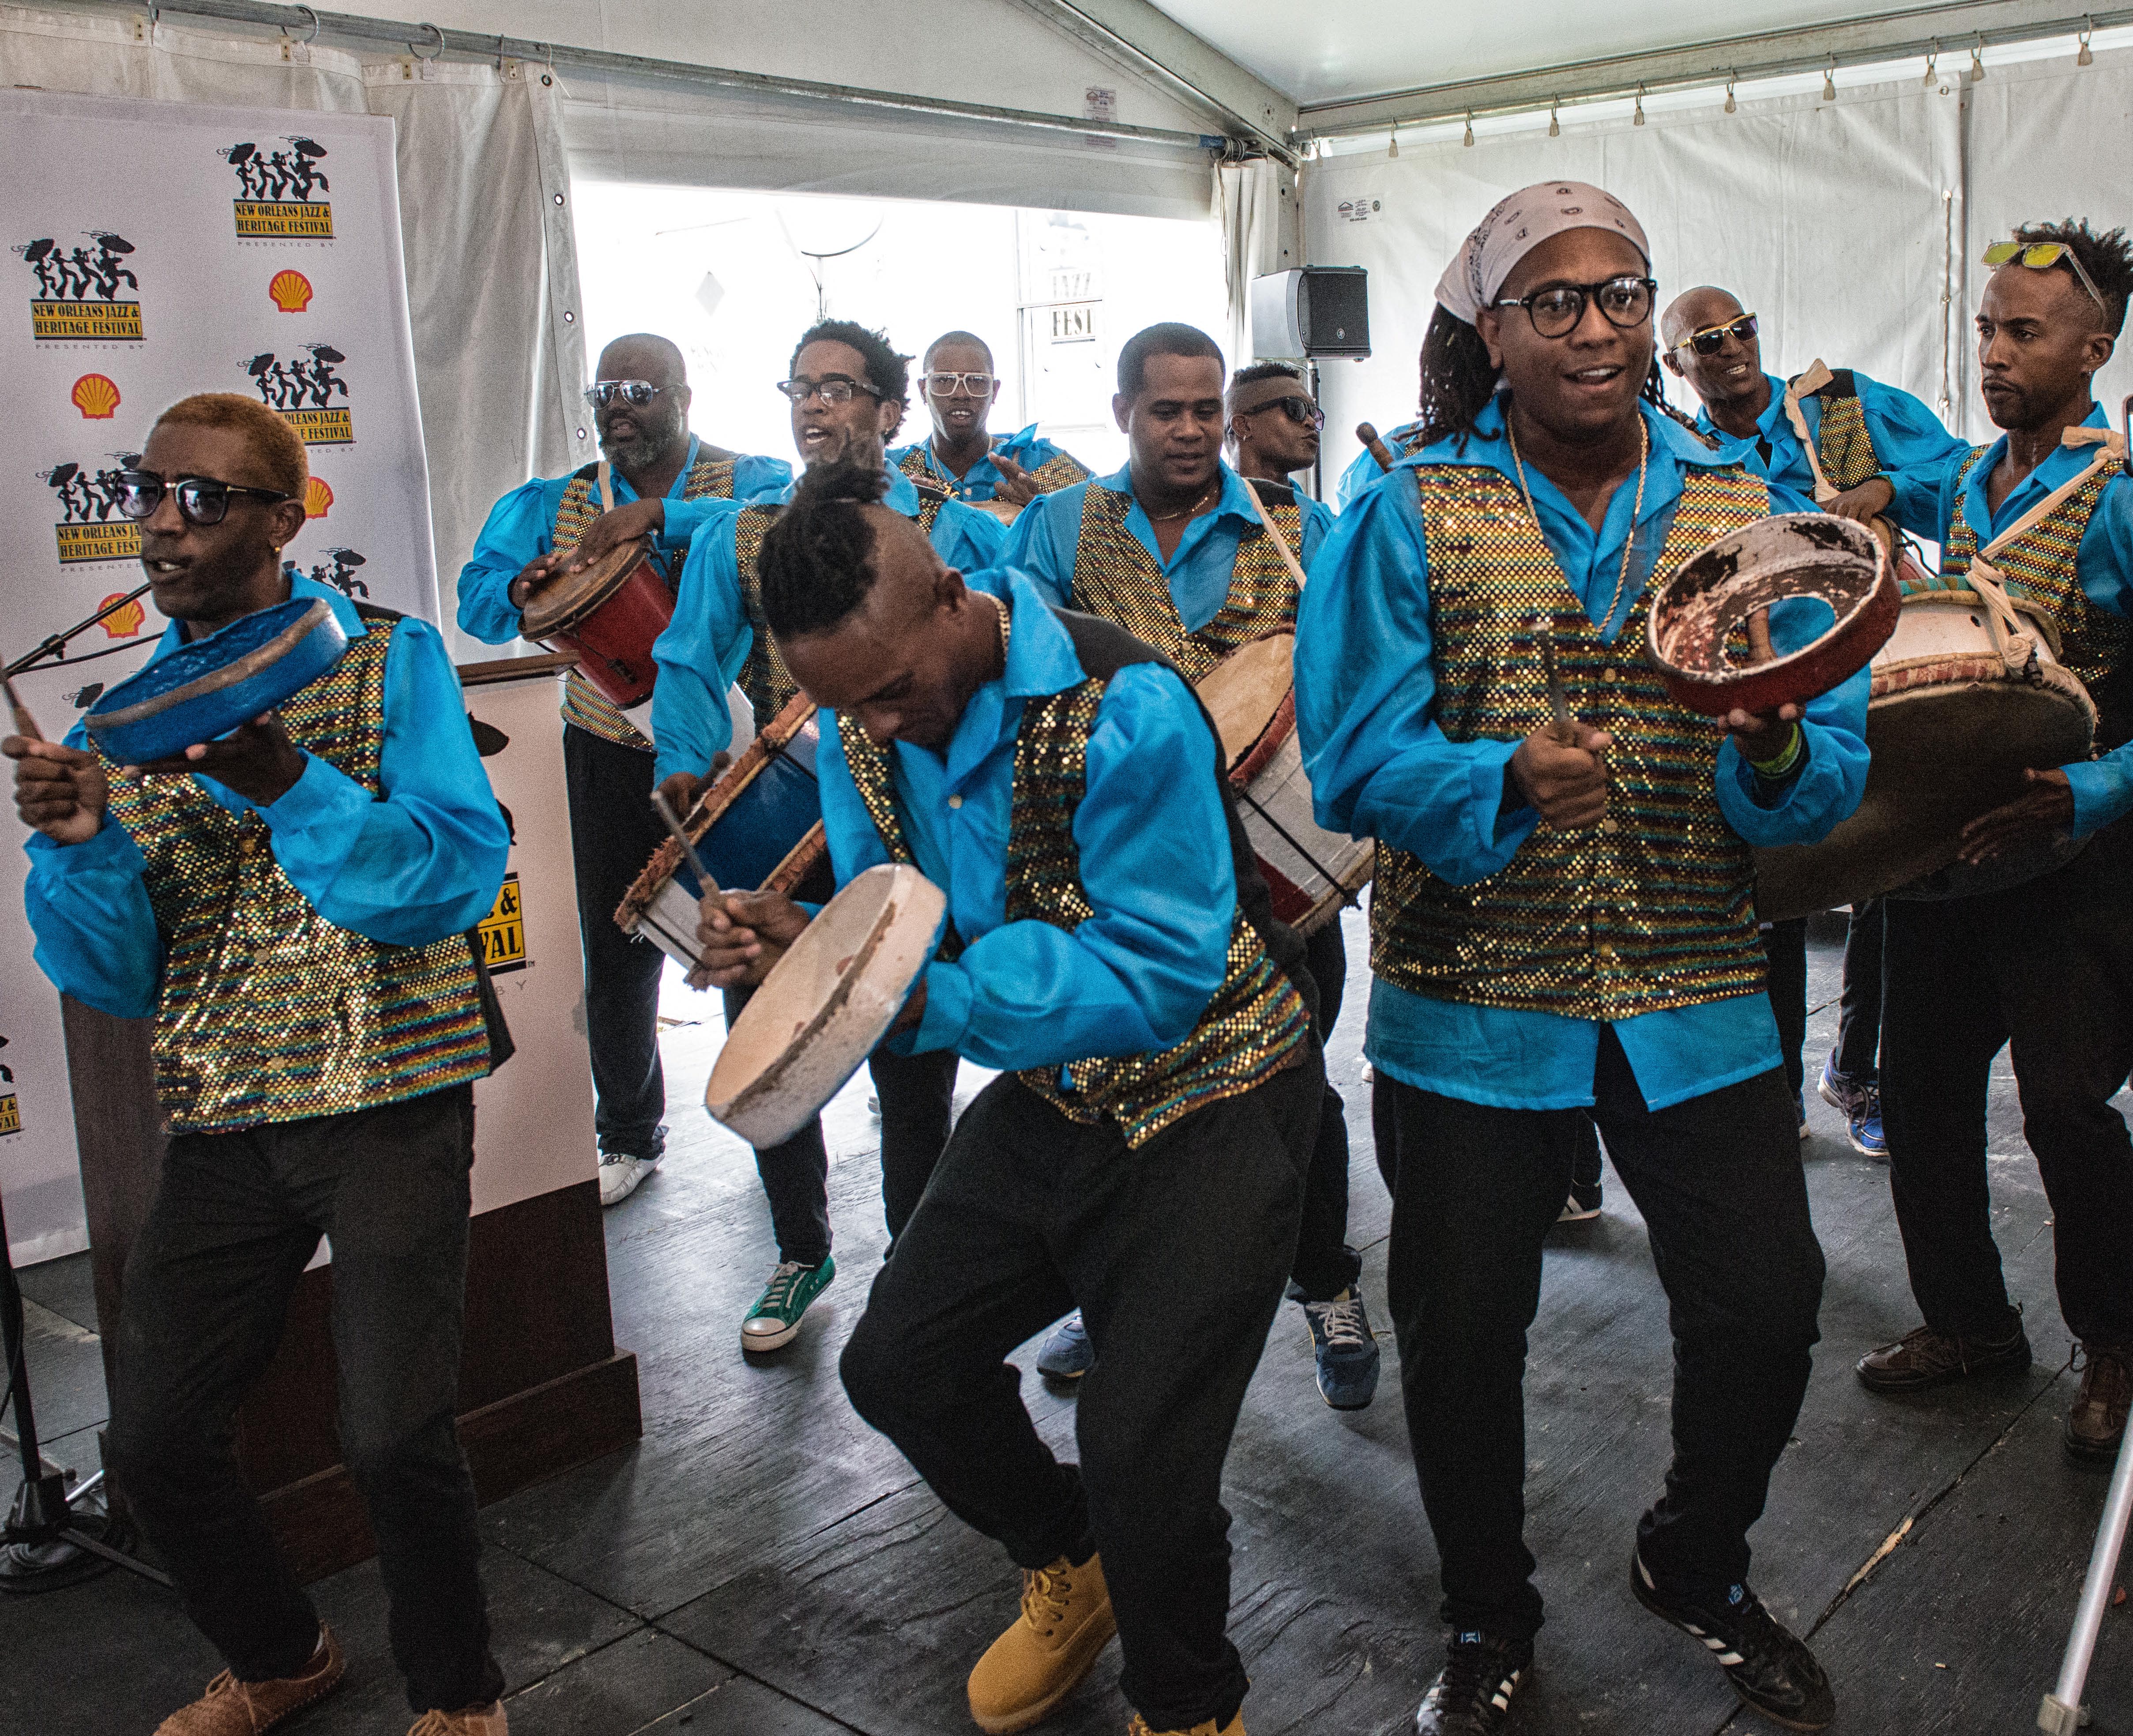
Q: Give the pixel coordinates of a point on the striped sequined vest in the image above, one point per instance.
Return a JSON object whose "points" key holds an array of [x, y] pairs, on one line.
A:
{"points": [[764, 678], [1117, 578], [2043, 565], [1062, 470], [1842, 443], [269, 1013], [1256, 1021], [584, 704], [1653, 907]]}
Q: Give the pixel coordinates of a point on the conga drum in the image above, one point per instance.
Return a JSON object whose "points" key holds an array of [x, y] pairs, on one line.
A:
{"points": [[825, 1004], [607, 614], [1251, 696]]}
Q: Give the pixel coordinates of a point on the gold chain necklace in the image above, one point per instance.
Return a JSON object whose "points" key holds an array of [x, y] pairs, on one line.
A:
{"points": [[1636, 509], [1166, 517]]}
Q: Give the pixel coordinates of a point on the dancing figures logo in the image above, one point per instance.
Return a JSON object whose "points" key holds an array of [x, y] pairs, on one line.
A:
{"points": [[77, 298], [11, 1111], [304, 390], [89, 528], [340, 574], [274, 189]]}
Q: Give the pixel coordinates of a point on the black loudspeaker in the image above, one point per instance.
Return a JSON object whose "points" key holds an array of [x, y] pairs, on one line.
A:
{"points": [[1319, 311]]}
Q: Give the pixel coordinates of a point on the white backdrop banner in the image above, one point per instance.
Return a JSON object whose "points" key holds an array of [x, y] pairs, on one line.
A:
{"points": [[258, 252]]}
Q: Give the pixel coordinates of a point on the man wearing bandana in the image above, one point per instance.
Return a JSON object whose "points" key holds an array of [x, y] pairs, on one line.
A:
{"points": [[1562, 928]]}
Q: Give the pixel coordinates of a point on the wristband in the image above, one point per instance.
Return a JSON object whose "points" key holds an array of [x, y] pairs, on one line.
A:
{"points": [[1781, 764]]}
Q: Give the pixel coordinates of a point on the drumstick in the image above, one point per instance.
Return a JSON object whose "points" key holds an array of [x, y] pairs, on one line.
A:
{"points": [[709, 888], [1564, 728], [1378, 449], [25, 724]]}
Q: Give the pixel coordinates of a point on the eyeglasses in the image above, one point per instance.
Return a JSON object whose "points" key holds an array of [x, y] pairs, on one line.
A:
{"points": [[971, 385], [1300, 411], [834, 390], [636, 393], [2041, 256], [1556, 310], [1712, 339], [201, 499]]}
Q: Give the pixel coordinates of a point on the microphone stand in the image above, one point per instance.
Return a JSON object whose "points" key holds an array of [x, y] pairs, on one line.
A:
{"points": [[58, 642]]}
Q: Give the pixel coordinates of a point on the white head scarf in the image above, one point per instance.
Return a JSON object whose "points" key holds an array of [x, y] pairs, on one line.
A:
{"points": [[1516, 227]]}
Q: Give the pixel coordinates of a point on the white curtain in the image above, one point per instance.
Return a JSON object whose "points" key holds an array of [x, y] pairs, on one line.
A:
{"points": [[1247, 203]]}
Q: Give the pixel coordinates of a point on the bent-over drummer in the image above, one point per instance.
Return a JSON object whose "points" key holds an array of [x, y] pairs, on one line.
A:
{"points": [[962, 454], [1110, 946], [664, 482], [2043, 966], [1171, 548], [847, 389], [315, 1057], [1562, 928]]}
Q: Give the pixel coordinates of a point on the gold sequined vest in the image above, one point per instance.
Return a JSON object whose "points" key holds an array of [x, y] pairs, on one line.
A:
{"points": [[1062, 470], [764, 678], [1117, 578], [584, 704], [269, 1013], [1842, 443], [1254, 1026], [1653, 908]]}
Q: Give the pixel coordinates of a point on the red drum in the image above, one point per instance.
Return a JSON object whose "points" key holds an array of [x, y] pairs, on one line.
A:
{"points": [[1251, 695], [607, 614]]}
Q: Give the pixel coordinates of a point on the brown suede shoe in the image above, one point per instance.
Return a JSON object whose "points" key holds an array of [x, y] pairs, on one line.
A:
{"points": [[234, 1708], [1206, 1726], [1923, 1358], [1065, 1621], [468, 1721], [2097, 1423]]}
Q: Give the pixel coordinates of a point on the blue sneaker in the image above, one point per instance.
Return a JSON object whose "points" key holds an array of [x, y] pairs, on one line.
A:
{"points": [[1346, 1349], [1066, 1353], [1841, 1091], [1864, 1127]]}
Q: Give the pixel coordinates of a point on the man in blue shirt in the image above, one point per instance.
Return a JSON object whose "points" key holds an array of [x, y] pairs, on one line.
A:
{"points": [[1109, 945], [2042, 965], [1363, 468], [1173, 549], [291, 904], [962, 454], [848, 386], [1563, 923], [663, 482]]}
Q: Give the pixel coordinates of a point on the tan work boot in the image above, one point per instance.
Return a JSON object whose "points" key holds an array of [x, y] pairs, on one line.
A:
{"points": [[469, 1721], [1235, 1727], [1065, 1621], [234, 1708], [2097, 1423]]}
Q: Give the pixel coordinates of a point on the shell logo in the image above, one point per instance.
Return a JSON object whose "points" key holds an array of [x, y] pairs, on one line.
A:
{"points": [[318, 497], [95, 395], [291, 291], [126, 622]]}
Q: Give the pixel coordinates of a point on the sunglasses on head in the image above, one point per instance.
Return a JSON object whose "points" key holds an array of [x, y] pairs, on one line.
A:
{"points": [[2041, 256], [1712, 339], [638, 393], [202, 500]]}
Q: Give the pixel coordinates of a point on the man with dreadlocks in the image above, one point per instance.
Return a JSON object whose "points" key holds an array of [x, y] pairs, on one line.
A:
{"points": [[1111, 948], [848, 389], [1565, 927], [1174, 550], [2041, 967]]}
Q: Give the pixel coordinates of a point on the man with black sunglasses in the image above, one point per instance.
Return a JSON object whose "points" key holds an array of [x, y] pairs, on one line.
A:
{"points": [[962, 454], [848, 388], [653, 478]]}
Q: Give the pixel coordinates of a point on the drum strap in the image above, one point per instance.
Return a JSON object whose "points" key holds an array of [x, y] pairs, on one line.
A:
{"points": [[2016, 643], [1280, 542], [1814, 380], [606, 487]]}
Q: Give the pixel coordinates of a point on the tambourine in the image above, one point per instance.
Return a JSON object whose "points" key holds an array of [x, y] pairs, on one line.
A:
{"points": [[1718, 587]]}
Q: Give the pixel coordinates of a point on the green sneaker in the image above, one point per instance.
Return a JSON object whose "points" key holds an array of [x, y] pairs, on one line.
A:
{"points": [[774, 1321]]}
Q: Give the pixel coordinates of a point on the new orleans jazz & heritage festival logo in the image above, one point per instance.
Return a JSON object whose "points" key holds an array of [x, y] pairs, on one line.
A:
{"points": [[303, 390], [340, 574], [77, 295], [274, 190], [89, 528]]}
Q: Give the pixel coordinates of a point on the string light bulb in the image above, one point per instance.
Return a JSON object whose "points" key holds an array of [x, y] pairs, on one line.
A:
{"points": [[1932, 66], [1731, 106], [1554, 125], [1637, 119], [1392, 150], [2085, 58], [1469, 139], [1829, 81]]}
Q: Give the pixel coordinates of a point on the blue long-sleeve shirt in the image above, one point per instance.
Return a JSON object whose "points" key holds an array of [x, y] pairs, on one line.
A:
{"points": [[520, 527], [1363, 468], [1138, 974], [1905, 434], [1024, 447], [708, 639], [420, 861], [2102, 788], [1046, 535], [1381, 767]]}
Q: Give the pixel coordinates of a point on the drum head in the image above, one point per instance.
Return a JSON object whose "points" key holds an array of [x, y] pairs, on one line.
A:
{"points": [[1245, 691], [569, 597]]}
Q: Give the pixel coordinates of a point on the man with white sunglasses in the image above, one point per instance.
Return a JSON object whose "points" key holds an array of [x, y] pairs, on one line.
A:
{"points": [[962, 454]]}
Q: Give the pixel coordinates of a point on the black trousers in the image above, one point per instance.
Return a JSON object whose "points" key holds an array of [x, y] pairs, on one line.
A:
{"points": [[1176, 1254], [1784, 944], [917, 1095], [235, 1220], [1718, 1180], [2047, 966], [1326, 1265], [1859, 1013], [612, 834]]}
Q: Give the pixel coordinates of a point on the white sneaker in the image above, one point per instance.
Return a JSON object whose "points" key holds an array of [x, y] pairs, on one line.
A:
{"points": [[620, 1174]]}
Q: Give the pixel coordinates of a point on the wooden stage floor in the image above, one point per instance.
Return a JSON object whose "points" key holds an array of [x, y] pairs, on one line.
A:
{"points": [[762, 1564]]}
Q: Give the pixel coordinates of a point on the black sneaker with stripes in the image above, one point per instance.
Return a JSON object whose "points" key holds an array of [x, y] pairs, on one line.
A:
{"points": [[1769, 1664], [1472, 1696]]}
